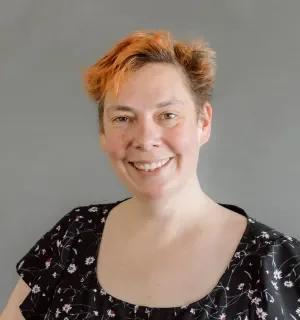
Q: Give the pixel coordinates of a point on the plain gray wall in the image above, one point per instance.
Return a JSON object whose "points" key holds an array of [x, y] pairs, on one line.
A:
{"points": [[50, 156]]}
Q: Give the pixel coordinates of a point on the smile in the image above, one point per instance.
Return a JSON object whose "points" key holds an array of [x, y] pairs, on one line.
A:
{"points": [[150, 166]]}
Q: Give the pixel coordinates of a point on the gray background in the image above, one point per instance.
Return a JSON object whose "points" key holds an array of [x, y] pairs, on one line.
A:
{"points": [[50, 156]]}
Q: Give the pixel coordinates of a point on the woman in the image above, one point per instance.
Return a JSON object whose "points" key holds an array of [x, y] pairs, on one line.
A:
{"points": [[169, 251]]}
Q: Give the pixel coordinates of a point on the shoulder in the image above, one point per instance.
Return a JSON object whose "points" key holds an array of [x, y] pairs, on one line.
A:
{"points": [[83, 218], [272, 262], [42, 266], [55, 246], [85, 212], [261, 238], [268, 236], [271, 244], [265, 271]]}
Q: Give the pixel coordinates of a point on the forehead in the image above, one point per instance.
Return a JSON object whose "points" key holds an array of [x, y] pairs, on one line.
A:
{"points": [[150, 85]]}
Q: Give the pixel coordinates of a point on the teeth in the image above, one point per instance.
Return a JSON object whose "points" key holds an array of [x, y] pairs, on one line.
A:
{"points": [[151, 166]]}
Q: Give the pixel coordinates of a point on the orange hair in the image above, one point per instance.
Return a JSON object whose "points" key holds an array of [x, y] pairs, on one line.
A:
{"points": [[196, 60]]}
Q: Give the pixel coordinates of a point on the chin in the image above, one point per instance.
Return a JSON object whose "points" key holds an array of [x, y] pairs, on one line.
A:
{"points": [[146, 185], [153, 192]]}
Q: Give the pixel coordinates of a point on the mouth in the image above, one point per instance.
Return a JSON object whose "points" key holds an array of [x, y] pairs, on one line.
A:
{"points": [[151, 166]]}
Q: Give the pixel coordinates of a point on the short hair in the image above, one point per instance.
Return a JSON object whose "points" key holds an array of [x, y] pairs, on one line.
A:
{"points": [[196, 60]]}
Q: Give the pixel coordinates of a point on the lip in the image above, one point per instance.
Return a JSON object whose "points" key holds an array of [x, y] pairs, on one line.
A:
{"points": [[150, 161], [151, 173]]}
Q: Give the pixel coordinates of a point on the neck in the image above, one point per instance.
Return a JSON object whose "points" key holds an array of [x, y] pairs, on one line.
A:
{"points": [[186, 207]]}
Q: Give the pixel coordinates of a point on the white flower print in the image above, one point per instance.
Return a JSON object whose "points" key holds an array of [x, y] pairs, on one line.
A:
{"points": [[277, 274], [261, 314], [103, 220], [48, 263], [105, 211], [274, 283], [289, 238], [89, 260], [136, 308], [241, 286], [256, 300], [102, 292], [54, 275], [110, 298], [298, 311], [223, 316], [78, 217], [237, 255], [59, 290], [58, 243], [250, 294], [111, 313], [36, 289], [184, 307], [43, 251], [66, 308], [58, 228], [93, 209], [288, 284], [264, 234], [57, 313], [72, 268], [192, 311], [96, 313]]}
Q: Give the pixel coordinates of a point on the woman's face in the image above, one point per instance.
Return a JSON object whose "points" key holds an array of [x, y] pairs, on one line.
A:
{"points": [[152, 135]]}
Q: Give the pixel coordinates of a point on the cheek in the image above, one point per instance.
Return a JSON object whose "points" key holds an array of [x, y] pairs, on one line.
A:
{"points": [[116, 145], [184, 140]]}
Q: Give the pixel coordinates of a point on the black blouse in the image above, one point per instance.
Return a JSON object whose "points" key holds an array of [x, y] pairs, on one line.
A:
{"points": [[261, 282]]}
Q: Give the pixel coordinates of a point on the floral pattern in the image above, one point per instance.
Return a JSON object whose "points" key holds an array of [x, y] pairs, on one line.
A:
{"points": [[262, 280]]}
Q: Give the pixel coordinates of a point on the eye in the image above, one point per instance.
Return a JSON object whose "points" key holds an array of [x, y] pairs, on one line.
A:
{"points": [[168, 116], [121, 119]]}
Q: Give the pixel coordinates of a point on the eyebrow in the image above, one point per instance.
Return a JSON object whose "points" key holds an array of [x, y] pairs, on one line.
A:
{"points": [[162, 104]]}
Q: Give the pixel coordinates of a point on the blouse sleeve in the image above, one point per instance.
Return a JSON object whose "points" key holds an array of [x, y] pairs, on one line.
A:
{"points": [[41, 267], [283, 264]]}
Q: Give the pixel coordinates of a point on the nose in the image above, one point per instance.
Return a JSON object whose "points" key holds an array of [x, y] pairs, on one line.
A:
{"points": [[146, 136]]}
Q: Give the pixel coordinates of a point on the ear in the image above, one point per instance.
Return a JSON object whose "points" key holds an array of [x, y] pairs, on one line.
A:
{"points": [[204, 123], [103, 142]]}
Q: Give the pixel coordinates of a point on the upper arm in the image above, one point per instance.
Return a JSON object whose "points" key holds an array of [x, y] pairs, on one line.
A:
{"points": [[12, 311]]}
